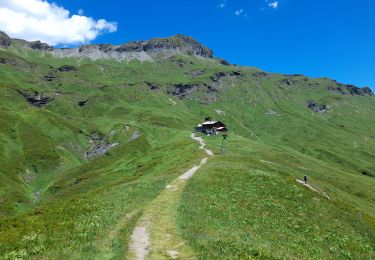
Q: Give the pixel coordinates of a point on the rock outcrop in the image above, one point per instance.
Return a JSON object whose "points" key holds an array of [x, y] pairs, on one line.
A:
{"points": [[98, 146], [353, 90], [288, 82], [4, 39], [183, 91], [225, 75], [36, 98], [67, 68], [317, 108], [50, 76], [10, 61], [261, 74], [347, 89], [38, 45]]}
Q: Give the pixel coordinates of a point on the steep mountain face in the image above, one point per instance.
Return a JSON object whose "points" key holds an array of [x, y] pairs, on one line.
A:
{"points": [[90, 135], [4, 39]]}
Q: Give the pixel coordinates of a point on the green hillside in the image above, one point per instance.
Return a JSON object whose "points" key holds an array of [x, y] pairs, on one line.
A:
{"points": [[88, 146]]}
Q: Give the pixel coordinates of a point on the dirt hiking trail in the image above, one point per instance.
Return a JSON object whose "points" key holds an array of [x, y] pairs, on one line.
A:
{"points": [[156, 235], [312, 188]]}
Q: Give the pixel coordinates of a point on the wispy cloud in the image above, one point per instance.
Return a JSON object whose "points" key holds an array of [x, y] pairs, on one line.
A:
{"points": [[270, 4], [274, 5], [41, 20], [223, 4], [239, 12]]}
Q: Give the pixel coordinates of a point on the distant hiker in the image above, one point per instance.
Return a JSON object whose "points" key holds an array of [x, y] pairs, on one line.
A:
{"points": [[305, 179]]}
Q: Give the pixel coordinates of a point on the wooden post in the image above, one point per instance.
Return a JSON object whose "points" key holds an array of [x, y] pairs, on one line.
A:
{"points": [[222, 142]]}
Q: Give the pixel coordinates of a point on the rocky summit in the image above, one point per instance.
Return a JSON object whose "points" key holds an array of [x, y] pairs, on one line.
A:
{"points": [[178, 43]]}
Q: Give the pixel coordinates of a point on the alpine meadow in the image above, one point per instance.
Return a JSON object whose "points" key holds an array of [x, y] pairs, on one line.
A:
{"points": [[104, 154]]}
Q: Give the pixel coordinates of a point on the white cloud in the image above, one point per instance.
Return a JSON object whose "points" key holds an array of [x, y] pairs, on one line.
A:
{"points": [[223, 4], [274, 5], [40, 20], [239, 12]]}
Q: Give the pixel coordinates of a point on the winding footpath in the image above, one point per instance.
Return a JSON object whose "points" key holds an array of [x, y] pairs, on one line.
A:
{"points": [[155, 235]]}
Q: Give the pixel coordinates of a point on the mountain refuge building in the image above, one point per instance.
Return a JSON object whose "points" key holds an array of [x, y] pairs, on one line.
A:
{"points": [[211, 127]]}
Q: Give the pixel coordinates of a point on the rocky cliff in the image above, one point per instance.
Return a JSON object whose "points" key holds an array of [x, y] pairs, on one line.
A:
{"points": [[4, 39]]}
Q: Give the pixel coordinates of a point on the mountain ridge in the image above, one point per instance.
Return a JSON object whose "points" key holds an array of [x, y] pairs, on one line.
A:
{"points": [[148, 50], [177, 43]]}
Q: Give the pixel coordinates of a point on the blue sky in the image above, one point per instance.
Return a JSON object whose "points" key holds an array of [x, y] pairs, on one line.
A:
{"points": [[332, 38]]}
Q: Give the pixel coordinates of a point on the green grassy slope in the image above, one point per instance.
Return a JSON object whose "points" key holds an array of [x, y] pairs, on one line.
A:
{"points": [[56, 202], [249, 205]]}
